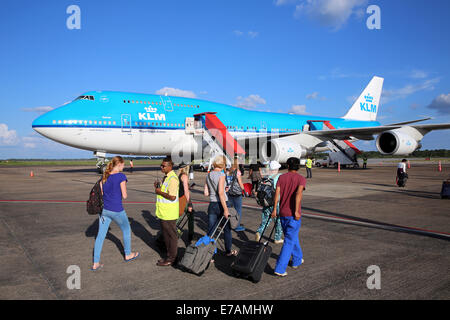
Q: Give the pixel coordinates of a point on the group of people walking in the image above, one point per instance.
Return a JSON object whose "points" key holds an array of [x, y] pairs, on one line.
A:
{"points": [[224, 189]]}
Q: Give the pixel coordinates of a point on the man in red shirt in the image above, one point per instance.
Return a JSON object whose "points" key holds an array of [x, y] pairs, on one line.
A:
{"points": [[289, 194]]}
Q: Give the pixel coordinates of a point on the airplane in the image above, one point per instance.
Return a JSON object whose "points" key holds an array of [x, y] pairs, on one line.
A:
{"points": [[148, 124]]}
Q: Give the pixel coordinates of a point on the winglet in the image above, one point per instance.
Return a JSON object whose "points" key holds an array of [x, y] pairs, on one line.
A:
{"points": [[366, 106]]}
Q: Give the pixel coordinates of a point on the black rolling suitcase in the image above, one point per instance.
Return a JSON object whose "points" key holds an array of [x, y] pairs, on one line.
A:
{"points": [[253, 257], [445, 192]]}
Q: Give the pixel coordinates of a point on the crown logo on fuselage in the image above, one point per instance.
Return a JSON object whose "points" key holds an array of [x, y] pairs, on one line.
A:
{"points": [[150, 109]]}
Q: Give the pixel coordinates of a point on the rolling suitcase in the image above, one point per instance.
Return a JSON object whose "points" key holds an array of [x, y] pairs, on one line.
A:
{"points": [[247, 189], [445, 192], [197, 256], [253, 257]]}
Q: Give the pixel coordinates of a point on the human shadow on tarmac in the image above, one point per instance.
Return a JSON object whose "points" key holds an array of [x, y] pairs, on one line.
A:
{"points": [[413, 193], [377, 184], [377, 224], [142, 233], [92, 230]]}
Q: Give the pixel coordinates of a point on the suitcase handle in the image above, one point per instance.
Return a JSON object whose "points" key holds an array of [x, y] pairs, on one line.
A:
{"points": [[273, 229], [271, 232], [265, 227], [217, 227], [182, 221]]}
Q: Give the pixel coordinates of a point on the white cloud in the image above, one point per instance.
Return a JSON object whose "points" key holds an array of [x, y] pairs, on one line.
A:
{"points": [[250, 34], [31, 142], [401, 93], [314, 96], [418, 74], [298, 109], [39, 110], [336, 73], [250, 102], [176, 92], [8, 137], [352, 99], [329, 13], [441, 104], [283, 2]]}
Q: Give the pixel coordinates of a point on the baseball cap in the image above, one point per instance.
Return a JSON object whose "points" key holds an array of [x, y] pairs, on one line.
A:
{"points": [[274, 165]]}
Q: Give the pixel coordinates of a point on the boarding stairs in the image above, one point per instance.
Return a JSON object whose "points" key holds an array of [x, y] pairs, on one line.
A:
{"points": [[341, 150], [217, 137]]}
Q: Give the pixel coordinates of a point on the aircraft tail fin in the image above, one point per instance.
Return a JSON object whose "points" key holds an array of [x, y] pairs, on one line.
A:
{"points": [[366, 106]]}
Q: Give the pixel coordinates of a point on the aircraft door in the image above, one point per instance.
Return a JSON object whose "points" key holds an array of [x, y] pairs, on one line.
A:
{"points": [[126, 123], [189, 125], [167, 103], [263, 126]]}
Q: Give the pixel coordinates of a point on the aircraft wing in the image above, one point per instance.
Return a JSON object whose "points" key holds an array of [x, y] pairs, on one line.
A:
{"points": [[368, 132], [268, 136], [408, 122]]}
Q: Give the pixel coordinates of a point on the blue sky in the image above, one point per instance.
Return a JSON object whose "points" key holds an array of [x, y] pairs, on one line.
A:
{"points": [[307, 56]]}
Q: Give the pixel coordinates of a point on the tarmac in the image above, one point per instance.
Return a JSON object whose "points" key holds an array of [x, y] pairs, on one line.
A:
{"points": [[352, 220]]}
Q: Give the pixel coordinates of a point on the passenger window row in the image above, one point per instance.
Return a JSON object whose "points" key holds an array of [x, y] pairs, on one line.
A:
{"points": [[161, 124], [159, 103], [85, 122]]}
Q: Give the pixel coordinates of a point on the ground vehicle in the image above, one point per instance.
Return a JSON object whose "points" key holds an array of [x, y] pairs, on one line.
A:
{"points": [[334, 158]]}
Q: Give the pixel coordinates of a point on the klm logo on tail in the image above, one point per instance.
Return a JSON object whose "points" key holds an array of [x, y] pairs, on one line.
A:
{"points": [[368, 106]]}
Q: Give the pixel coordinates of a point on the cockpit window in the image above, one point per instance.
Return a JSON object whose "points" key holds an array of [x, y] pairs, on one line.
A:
{"points": [[85, 98]]}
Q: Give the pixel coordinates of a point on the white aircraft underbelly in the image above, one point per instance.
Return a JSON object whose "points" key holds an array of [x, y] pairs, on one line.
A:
{"points": [[112, 140]]}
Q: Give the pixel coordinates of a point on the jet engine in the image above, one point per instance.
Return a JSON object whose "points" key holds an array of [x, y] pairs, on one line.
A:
{"points": [[281, 150], [398, 141]]}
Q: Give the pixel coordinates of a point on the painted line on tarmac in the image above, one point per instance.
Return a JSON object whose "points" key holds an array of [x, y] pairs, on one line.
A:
{"points": [[81, 201]]}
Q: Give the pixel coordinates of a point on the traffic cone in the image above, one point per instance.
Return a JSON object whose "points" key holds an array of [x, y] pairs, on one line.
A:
{"points": [[31, 174], [339, 166], [409, 165], [439, 167]]}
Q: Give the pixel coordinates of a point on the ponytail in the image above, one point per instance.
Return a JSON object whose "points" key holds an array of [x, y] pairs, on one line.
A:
{"points": [[114, 161]]}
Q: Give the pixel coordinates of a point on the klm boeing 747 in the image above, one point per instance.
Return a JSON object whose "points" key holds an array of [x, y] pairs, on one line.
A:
{"points": [[146, 124]]}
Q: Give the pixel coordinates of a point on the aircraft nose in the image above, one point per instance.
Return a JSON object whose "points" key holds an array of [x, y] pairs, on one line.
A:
{"points": [[43, 122], [40, 122]]}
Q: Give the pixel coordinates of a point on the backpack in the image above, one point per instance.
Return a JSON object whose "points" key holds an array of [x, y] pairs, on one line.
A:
{"points": [[95, 203], [235, 189], [266, 192]]}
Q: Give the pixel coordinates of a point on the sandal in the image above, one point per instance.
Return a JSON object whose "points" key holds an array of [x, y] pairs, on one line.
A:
{"points": [[136, 255], [98, 268]]}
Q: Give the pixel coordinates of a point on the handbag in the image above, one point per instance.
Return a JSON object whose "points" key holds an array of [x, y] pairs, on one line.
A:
{"points": [[233, 217]]}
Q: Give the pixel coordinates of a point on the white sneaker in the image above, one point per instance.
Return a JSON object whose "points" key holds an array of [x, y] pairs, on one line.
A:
{"points": [[257, 236], [281, 274], [295, 267]]}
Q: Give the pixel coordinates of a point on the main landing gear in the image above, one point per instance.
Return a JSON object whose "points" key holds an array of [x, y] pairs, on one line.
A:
{"points": [[102, 162]]}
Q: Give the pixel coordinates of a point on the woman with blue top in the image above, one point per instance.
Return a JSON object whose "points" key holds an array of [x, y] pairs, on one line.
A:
{"points": [[114, 189], [267, 211]]}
